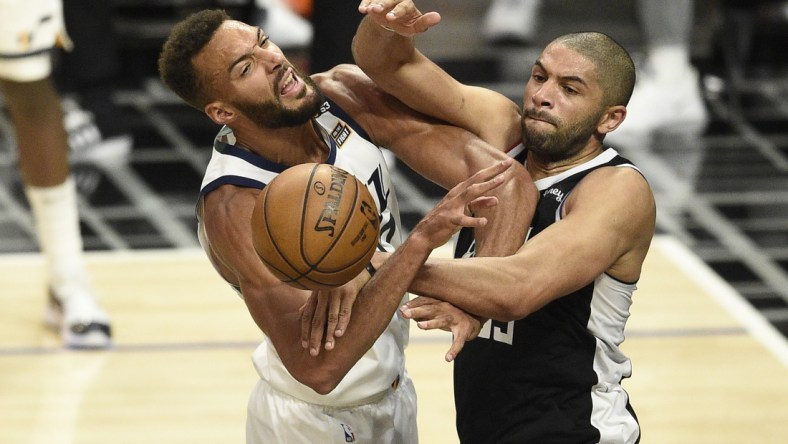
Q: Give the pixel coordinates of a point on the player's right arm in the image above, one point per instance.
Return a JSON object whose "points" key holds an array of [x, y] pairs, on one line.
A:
{"points": [[391, 59]]}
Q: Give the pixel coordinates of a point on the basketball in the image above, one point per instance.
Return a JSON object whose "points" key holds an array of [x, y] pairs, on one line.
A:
{"points": [[315, 226]]}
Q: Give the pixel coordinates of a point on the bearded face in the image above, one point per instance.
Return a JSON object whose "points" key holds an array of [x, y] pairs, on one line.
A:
{"points": [[553, 137], [273, 114]]}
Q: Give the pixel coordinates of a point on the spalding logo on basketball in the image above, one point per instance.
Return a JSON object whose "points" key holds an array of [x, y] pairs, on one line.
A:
{"points": [[315, 226]]}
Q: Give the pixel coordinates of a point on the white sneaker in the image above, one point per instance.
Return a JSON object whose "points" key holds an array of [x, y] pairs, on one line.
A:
{"points": [[675, 108], [85, 140], [79, 320], [511, 21], [286, 29]]}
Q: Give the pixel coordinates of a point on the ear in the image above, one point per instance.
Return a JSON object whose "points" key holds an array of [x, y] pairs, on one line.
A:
{"points": [[612, 118], [220, 113]]}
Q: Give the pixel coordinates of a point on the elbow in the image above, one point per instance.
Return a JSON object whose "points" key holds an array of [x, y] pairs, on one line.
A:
{"points": [[512, 312], [368, 60], [522, 179], [520, 305], [518, 311], [325, 386], [322, 381]]}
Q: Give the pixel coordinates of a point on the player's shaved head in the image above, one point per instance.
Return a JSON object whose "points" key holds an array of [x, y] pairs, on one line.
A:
{"points": [[614, 67]]}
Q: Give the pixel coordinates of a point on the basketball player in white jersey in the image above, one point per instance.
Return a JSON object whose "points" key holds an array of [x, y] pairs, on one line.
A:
{"points": [[29, 30], [273, 117], [548, 366]]}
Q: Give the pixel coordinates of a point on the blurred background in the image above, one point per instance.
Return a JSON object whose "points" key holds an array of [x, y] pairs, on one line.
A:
{"points": [[707, 125], [722, 186]]}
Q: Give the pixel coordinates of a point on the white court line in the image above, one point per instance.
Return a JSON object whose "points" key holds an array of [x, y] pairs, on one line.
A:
{"points": [[725, 295], [722, 292], [164, 254]]}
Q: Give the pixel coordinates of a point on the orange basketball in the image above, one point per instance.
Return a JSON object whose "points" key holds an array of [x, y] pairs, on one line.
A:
{"points": [[315, 226]]}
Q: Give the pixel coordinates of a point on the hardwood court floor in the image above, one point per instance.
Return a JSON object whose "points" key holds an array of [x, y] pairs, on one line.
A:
{"points": [[707, 368]]}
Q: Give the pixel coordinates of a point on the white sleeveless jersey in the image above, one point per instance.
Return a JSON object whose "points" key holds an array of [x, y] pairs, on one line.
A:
{"points": [[351, 150], [30, 30]]}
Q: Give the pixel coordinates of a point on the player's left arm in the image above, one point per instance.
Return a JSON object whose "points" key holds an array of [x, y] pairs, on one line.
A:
{"points": [[607, 227]]}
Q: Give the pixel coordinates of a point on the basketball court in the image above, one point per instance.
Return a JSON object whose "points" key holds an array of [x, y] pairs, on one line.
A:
{"points": [[707, 367]]}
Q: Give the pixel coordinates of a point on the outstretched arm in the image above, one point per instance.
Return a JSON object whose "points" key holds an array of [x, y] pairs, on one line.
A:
{"points": [[384, 49], [443, 153], [391, 59]]}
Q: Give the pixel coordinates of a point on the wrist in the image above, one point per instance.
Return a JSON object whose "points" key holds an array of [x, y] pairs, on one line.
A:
{"points": [[371, 269]]}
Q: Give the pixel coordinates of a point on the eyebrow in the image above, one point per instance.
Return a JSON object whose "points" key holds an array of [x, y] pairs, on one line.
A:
{"points": [[564, 78], [247, 54]]}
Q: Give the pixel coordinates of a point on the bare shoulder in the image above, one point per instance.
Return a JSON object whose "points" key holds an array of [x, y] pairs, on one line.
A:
{"points": [[349, 87], [618, 176], [615, 206], [382, 116], [227, 202], [616, 190], [225, 214]]}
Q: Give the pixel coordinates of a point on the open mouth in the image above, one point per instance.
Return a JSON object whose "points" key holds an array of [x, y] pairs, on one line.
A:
{"points": [[289, 83]]}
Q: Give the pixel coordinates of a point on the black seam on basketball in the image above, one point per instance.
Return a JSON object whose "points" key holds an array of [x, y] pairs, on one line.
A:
{"points": [[279, 251], [352, 261], [303, 216], [273, 267], [342, 230], [306, 277]]}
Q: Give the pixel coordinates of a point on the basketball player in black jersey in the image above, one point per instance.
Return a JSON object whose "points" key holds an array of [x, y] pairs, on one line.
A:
{"points": [[547, 367]]}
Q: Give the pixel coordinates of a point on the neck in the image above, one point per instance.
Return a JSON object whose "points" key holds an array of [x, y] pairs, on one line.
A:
{"points": [[540, 166], [287, 146]]}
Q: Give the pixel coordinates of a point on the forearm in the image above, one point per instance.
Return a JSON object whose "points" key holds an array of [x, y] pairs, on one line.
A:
{"points": [[380, 52], [382, 296], [394, 63], [482, 286]]}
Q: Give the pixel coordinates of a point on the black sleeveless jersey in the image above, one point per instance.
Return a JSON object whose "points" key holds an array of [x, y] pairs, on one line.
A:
{"points": [[554, 376]]}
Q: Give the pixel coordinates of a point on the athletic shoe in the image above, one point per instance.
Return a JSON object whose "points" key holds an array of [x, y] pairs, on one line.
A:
{"points": [[286, 29], [511, 21], [79, 320], [85, 140], [675, 108]]}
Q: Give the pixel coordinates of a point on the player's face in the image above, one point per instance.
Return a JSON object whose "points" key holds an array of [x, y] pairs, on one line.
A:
{"points": [[250, 73], [562, 104]]}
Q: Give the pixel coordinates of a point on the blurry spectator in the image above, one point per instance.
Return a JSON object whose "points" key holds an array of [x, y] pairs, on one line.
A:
{"points": [[667, 94], [283, 25], [511, 21], [28, 31], [87, 76]]}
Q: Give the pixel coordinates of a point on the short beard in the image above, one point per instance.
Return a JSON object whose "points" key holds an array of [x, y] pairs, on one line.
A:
{"points": [[561, 144], [273, 115]]}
